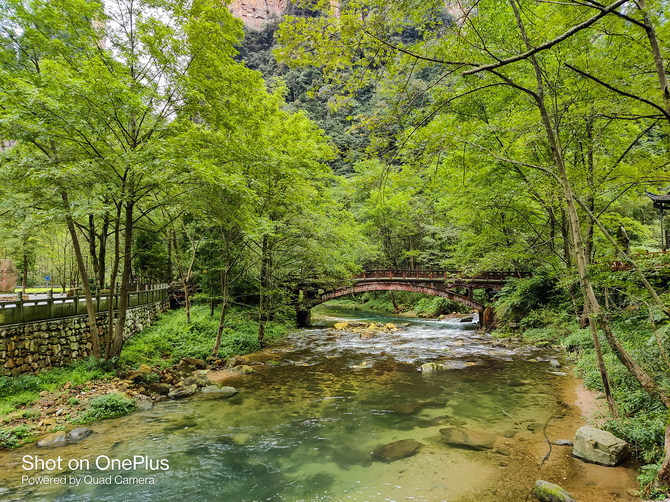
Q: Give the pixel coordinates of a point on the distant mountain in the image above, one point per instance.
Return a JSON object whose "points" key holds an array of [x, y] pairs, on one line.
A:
{"points": [[256, 13]]}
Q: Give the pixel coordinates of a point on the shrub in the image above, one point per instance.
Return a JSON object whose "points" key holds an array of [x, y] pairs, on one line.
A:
{"points": [[110, 405], [11, 438]]}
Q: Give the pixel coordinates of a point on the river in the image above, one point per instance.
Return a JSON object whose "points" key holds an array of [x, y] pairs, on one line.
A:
{"points": [[303, 425]]}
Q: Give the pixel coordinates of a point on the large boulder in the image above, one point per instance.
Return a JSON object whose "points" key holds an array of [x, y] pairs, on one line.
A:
{"points": [[468, 438], [9, 275], [397, 450], [549, 492], [599, 447]]}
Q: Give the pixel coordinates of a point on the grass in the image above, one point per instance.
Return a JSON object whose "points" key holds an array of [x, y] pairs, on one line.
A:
{"points": [[171, 337], [24, 390]]}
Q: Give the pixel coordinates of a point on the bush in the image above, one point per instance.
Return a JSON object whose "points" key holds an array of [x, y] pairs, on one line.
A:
{"points": [[11, 438], [519, 297], [110, 405]]}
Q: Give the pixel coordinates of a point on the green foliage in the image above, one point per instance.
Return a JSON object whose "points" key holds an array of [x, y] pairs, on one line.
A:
{"points": [[433, 306], [107, 406], [15, 436], [24, 389], [519, 297], [172, 338], [646, 480]]}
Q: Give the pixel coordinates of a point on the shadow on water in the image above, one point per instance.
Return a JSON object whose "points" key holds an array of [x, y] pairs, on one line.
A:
{"points": [[304, 428]]}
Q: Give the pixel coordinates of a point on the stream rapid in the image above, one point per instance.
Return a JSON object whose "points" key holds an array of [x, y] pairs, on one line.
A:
{"points": [[304, 424]]}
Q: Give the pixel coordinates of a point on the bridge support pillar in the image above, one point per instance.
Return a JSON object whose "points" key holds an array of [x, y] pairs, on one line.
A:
{"points": [[303, 317], [487, 318]]}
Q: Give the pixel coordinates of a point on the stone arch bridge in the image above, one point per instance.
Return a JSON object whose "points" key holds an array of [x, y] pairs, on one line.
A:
{"points": [[450, 284]]}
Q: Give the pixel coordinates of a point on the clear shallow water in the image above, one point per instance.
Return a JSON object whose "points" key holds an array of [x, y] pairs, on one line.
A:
{"points": [[303, 426]]}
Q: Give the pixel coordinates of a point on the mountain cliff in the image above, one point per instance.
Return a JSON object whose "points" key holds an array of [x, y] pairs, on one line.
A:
{"points": [[256, 13]]}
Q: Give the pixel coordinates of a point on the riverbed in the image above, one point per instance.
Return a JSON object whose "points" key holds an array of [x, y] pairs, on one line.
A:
{"points": [[304, 424]]}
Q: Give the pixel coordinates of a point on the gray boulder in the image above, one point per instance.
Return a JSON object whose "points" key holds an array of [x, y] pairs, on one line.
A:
{"points": [[599, 447], [53, 440], [79, 433], [468, 438], [182, 393], [549, 492], [397, 450], [220, 391]]}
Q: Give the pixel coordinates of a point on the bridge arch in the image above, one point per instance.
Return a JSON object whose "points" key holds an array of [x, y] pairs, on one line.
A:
{"points": [[399, 286]]}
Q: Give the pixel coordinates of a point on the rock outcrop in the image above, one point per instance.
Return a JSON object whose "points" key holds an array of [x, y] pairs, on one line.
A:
{"points": [[255, 13]]}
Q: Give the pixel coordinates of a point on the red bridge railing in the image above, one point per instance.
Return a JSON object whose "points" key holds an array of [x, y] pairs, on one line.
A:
{"points": [[438, 274]]}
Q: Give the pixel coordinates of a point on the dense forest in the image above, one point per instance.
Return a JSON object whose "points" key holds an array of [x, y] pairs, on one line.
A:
{"points": [[161, 141]]}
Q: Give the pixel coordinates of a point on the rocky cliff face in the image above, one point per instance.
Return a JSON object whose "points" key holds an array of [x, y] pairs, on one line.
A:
{"points": [[255, 13]]}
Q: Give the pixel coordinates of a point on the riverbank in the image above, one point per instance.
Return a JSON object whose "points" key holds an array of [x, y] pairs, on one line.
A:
{"points": [[33, 406]]}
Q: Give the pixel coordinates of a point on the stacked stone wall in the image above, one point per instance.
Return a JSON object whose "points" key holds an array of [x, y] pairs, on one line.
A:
{"points": [[34, 346]]}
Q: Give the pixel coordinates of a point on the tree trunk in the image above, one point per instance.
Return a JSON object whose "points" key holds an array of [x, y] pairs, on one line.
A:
{"points": [[24, 280], [119, 328], [92, 323], [224, 307], [112, 282], [265, 287], [601, 364]]}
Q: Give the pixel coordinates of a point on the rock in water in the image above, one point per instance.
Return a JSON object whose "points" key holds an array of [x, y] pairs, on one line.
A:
{"points": [[340, 325], [220, 391], [79, 433], [406, 408], [53, 440], [549, 492], [468, 438], [599, 447], [182, 393], [397, 450]]}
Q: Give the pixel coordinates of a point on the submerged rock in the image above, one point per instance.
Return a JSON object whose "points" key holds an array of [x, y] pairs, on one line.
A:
{"points": [[430, 367], [599, 447], [79, 433], [53, 440], [549, 492], [182, 393], [406, 408], [397, 450], [468, 438]]}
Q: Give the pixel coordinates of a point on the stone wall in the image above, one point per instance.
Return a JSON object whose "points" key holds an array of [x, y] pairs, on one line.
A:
{"points": [[34, 346]]}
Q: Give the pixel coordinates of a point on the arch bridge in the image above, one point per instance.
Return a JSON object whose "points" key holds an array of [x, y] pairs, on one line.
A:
{"points": [[442, 283]]}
